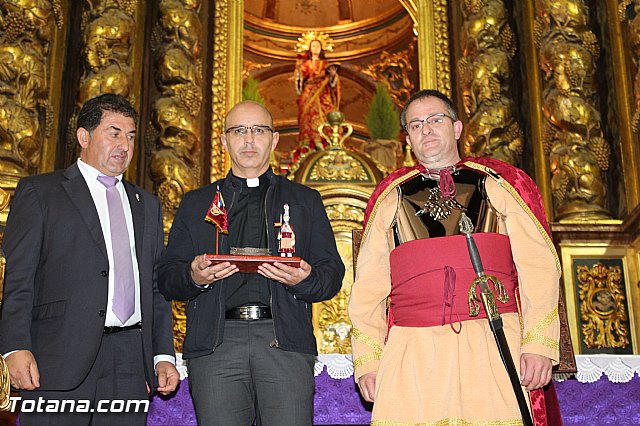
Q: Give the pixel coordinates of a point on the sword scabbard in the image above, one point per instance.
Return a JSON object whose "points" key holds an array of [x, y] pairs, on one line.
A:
{"points": [[488, 297]]}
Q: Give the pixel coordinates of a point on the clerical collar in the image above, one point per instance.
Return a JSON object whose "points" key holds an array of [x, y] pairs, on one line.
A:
{"points": [[253, 182]]}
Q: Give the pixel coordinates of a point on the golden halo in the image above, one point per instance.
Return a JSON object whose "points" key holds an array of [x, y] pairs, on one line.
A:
{"points": [[306, 39]]}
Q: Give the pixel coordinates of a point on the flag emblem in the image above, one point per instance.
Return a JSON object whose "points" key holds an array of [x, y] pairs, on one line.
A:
{"points": [[217, 213]]}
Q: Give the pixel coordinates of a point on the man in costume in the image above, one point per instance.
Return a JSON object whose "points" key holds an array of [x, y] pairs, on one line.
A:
{"points": [[82, 317], [418, 354], [249, 342]]}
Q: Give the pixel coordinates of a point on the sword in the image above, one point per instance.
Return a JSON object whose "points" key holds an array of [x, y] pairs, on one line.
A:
{"points": [[493, 315]]}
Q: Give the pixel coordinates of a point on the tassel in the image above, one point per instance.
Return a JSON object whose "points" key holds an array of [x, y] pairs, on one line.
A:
{"points": [[447, 186], [449, 298]]}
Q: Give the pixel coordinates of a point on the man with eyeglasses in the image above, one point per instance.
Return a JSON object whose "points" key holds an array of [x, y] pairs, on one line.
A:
{"points": [[249, 343], [415, 342]]}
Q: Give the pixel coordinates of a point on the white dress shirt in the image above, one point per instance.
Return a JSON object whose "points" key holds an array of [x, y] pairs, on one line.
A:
{"points": [[99, 194]]}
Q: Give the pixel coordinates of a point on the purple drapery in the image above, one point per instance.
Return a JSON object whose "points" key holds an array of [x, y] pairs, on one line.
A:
{"points": [[338, 403]]}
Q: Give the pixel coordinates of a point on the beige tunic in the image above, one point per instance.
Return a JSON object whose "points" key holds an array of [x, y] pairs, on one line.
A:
{"points": [[432, 375]]}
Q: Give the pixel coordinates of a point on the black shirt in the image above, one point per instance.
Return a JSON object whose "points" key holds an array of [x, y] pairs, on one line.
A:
{"points": [[247, 228]]}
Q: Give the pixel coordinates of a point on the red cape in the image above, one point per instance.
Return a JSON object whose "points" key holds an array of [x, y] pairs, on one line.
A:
{"points": [[519, 180]]}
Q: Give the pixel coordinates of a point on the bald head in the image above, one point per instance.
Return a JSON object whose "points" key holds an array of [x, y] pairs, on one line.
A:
{"points": [[247, 106], [249, 138]]}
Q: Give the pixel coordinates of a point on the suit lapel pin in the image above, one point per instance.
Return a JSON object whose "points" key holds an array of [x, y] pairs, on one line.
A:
{"points": [[138, 197]]}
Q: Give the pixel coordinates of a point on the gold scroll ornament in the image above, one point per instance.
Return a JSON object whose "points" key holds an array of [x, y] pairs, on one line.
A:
{"points": [[602, 306]]}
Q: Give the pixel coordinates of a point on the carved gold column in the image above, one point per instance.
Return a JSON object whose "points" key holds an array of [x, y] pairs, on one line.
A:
{"points": [[176, 111], [226, 85], [28, 31], [5, 198], [176, 115], [628, 11], [573, 138], [488, 47], [625, 91], [5, 385], [55, 69], [534, 107], [112, 45], [431, 19]]}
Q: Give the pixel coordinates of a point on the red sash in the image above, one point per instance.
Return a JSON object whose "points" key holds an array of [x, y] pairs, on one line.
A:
{"points": [[430, 279]]}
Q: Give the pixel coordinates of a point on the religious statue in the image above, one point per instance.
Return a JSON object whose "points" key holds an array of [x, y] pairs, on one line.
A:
{"points": [[286, 237], [317, 86]]}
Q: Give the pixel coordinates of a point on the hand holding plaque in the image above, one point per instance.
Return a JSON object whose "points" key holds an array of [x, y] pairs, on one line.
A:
{"points": [[285, 274], [249, 263]]}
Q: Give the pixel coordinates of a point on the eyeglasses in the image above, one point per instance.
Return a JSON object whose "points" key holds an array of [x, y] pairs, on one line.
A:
{"points": [[433, 121], [256, 130]]}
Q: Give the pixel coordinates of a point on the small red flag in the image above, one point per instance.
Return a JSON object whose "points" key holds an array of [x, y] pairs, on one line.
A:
{"points": [[217, 214]]}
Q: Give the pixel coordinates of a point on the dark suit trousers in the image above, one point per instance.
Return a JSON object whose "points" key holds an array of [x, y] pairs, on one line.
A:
{"points": [[245, 378], [117, 376]]}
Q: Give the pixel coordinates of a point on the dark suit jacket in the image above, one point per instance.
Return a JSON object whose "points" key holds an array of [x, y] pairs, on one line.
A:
{"points": [[56, 277], [291, 307]]}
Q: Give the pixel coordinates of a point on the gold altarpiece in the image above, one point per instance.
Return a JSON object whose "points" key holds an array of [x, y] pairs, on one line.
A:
{"points": [[552, 86]]}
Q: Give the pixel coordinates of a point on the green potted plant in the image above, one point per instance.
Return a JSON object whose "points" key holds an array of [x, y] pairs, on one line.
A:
{"points": [[383, 121], [251, 92]]}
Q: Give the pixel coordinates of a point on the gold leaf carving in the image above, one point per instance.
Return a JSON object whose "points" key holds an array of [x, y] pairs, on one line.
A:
{"points": [[334, 324], [344, 212], [5, 386], [26, 34], [338, 165], [485, 74], [249, 66], [393, 69], [573, 128], [602, 306], [175, 113], [179, 324], [633, 26], [218, 86], [441, 28]]}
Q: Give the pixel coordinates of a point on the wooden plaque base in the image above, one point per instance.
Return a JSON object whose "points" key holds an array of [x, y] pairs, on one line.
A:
{"points": [[249, 264]]}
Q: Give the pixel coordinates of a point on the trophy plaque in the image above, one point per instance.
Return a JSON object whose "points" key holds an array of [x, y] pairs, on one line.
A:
{"points": [[247, 259], [249, 263]]}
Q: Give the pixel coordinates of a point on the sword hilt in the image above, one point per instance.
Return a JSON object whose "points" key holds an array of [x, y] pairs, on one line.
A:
{"points": [[466, 227], [487, 294]]}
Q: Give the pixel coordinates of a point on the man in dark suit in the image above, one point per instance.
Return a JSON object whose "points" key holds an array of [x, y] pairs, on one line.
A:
{"points": [[82, 318]]}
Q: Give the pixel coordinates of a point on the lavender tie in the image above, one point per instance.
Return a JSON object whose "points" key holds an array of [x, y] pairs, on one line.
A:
{"points": [[123, 283]]}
